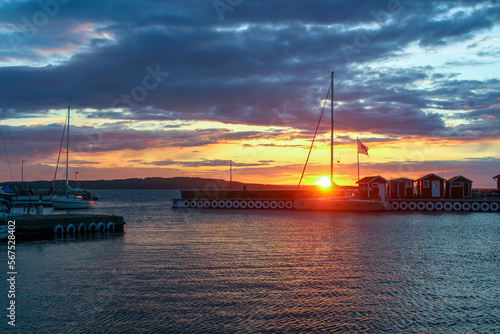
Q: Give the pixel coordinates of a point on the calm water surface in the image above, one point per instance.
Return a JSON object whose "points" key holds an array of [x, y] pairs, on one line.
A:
{"points": [[227, 271]]}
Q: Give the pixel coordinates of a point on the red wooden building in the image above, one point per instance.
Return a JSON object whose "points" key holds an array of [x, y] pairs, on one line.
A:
{"points": [[459, 187], [430, 186], [402, 188], [373, 187], [497, 178]]}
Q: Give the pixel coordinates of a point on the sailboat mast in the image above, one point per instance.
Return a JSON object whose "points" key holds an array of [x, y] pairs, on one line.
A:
{"points": [[67, 147], [331, 137]]}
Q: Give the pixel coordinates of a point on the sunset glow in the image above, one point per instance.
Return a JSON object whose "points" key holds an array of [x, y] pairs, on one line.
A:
{"points": [[250, 89], [324, 182]]}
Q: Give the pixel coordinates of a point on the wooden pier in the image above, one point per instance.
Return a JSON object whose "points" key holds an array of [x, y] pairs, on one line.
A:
{"points": [[286, 200], [39, 226]]}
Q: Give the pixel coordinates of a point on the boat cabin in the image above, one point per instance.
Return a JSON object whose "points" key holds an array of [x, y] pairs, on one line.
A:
{"points": [[497, 178], [373, 187], [459, 187], [402, 188], [430, 186]]}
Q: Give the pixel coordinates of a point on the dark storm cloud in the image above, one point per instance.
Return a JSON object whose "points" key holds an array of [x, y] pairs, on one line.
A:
{"points": [[261, 63]]}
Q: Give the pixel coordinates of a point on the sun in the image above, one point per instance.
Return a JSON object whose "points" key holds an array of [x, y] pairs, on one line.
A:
{"points": [[324, 182]]}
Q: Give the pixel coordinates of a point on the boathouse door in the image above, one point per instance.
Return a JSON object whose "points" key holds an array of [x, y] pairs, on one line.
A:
{"points": [[436, 191], [381, 191], [402, 189]]}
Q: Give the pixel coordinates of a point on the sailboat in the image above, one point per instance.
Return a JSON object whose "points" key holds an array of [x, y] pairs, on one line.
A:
{"points": [[72, 199], [336, 203]]}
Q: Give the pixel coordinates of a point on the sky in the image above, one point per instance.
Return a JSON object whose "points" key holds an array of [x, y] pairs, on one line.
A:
{"points": [[180, 88]]}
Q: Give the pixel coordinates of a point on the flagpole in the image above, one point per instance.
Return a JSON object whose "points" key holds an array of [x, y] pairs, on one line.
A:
{"points": [[357, 150], [358, 166], [230, 174]]}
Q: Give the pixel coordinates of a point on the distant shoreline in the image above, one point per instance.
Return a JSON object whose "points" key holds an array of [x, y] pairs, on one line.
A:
{"points": [[174, 183]]}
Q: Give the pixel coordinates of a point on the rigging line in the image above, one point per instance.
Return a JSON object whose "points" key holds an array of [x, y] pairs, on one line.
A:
{"points": [[6, 154], [314, 138], [11, 141], [60, 149]]}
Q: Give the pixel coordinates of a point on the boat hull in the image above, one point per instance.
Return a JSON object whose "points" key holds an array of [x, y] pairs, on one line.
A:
{"points": [[340, 204], [70, 203]]}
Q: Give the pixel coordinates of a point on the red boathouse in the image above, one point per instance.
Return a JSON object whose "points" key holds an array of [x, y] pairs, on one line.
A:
{"points": [[430, 186], [459, 187]]}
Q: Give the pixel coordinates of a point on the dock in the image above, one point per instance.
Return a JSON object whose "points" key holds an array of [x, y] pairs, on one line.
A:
{"points": [[40, 226], [287, 200]]}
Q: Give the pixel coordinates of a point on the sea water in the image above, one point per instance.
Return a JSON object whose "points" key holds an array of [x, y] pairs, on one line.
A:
{"points": [[259, 271]]}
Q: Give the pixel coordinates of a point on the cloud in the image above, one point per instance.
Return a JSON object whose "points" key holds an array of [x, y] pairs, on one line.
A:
{"points": [[265, 64], [208, 163]]}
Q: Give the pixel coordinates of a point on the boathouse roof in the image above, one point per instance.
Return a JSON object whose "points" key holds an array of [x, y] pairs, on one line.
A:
{"points": [[402, 179], [496, 177], [370, 179], [459, 177], [431, 175]]}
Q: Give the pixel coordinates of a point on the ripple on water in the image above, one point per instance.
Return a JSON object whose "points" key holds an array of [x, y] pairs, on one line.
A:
{"points": [[202, 271]]}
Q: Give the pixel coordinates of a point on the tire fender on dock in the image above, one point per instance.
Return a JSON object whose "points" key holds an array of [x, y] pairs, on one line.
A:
{"points": [[229, 204], [206, 204], [101, 226], [236, 204], [421, 206], [457, 206], [494, 206], [412, 206], [222, 204], [395, 206], [485, 206], [448, 206], [475, 206], [70, 229], [265, 205], [215, 204], [403, 206], [92, 227], [192, 204], [438, 206], [273, 205], [258, 204], [281, 205], [289, 205], [243, 204], [110, 226], [199, 204], [82, 228], [186, 204], [429, 206], [251, 204], [59, 229], [466, 206]]}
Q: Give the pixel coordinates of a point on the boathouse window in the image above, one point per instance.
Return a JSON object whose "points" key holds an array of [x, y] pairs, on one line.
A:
{"points": [[374, 185], [426, 183], [408, 184], [456, 184]]}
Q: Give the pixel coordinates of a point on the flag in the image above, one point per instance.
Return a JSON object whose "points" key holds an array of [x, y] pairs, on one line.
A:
{"points": [[363, 149]]}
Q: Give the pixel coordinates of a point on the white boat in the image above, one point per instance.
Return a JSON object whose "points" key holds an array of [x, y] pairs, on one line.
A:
{"points": [[69, 200], [337, 203]]}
